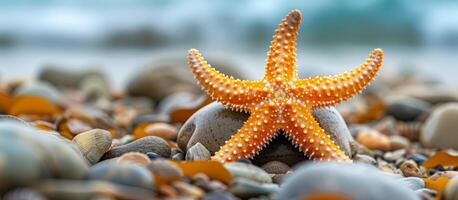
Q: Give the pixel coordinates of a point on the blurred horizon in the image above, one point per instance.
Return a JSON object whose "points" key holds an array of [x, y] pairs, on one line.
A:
{"points": [[122, 36]]}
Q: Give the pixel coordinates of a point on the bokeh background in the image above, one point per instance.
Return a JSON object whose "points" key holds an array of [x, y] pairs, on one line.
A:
{"points": [[121, 36]]}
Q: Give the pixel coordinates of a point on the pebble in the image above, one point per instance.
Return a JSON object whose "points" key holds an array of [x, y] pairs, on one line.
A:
{"points": [[93, 144], [440, 127], [410, 168], [122, 173], [41, 89], [165, 171], [135, 158], [446, 174], [414, 183], [246, 188], [276, 167], [178, 156], [394, 155], [398, 142], [356, 181], [161, 81], [418, 158], [451, 190], [142, 145], [430, 93], [187, 190], [28, 156], [248, 171], [373, 139], [364, 159], [406, 108], [90, 189], [159, 129], [198, 152], [151, 155], [62, 77]]}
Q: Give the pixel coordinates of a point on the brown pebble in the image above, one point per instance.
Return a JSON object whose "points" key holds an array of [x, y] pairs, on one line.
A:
{"points": [[446, 174], [167, 190], [373, 140], [188, 190], [163, 130], [134, 158], [409, 168]]}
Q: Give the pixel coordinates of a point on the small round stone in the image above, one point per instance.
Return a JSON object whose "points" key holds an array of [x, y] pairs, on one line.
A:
{"points": [[152, 155]]}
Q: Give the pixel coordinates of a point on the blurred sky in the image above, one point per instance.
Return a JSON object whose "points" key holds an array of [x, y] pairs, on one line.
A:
{"points": [[120, 36]]}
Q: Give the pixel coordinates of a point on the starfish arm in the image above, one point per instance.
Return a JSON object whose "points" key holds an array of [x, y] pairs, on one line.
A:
{"points": [[229, 91], [255, 133], [309, 137], [331, 90], [281, 59]]}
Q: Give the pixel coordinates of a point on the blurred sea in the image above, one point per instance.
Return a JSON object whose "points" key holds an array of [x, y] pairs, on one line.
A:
{"points": [[121, 36]]}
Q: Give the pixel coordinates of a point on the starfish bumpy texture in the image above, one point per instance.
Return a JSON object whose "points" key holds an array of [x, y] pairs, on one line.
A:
{"points": [[281, 100]]}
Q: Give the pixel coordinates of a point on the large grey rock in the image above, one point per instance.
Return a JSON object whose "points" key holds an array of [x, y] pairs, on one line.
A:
{"points": [[354, 181], [213, 124]]}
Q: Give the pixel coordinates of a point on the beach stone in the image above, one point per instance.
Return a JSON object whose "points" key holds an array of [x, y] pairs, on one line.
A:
{"points": [[246, 188], [170, 74], [364, 159], [41, 89], [122, 173], [248, 171], [414, 183], [198, 152], [393, 156], [187, 190], [451, 190], [430, 93], [94, 87], [93, 144], [62, 77], [398, 142], [374, 140], [354, 181], [90, 189], [28, 156], [142, 145], [163, 130], [213, 124], [135, 158], [276, 167], [406, 108], [165, 171], [446, 174], [440, 127], [410, 168]]}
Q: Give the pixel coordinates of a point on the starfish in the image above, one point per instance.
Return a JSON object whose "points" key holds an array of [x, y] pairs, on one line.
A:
{"points": [[281, 100]]}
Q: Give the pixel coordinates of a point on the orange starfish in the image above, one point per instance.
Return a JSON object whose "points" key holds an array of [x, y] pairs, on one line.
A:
{"points": [[281, 100]]}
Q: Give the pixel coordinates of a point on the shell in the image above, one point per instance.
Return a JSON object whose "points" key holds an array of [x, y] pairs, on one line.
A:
{"points": [[198, 152], [93, 144]]}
